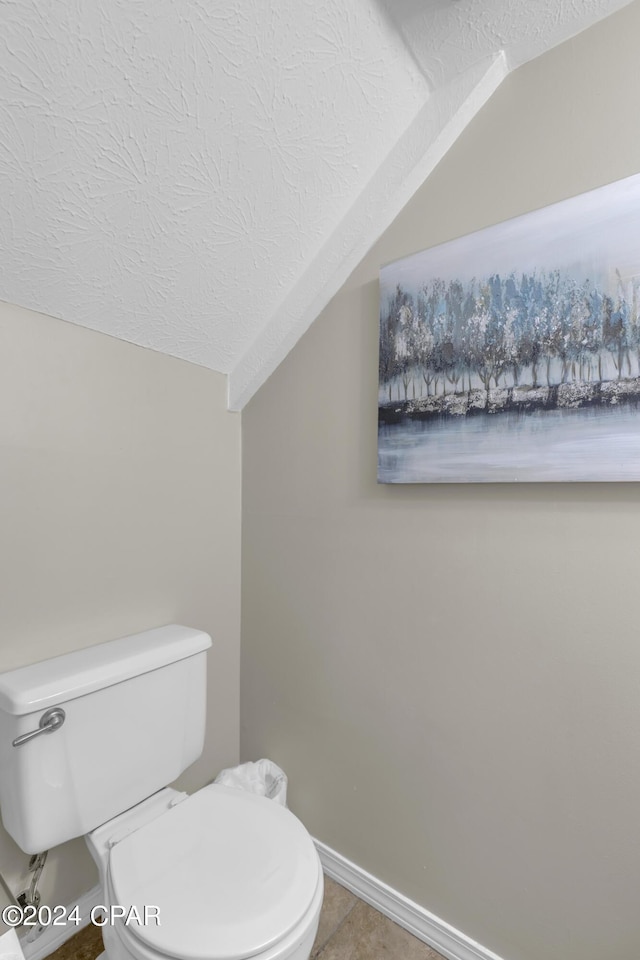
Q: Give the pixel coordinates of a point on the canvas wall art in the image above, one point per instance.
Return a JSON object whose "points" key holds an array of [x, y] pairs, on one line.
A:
{"points": [[513, 354]]}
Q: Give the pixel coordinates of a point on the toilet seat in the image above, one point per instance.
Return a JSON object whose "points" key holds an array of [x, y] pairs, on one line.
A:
{"points": [[232, 874], [123, 945]]}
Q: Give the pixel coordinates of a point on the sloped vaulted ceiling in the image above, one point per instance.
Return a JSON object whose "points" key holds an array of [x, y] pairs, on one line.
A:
{"points": [[200, 178]]}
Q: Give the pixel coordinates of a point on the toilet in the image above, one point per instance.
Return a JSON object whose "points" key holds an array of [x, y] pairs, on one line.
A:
{"points": [[89, 742]]}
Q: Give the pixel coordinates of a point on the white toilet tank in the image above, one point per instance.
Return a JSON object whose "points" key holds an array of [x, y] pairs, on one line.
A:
{"points": [[134, 719]]}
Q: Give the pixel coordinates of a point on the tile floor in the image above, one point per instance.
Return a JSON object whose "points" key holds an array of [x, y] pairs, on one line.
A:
{"points": [[349, 929]]}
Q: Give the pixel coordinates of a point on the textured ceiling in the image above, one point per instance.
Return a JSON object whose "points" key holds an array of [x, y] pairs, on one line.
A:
{"points": [[199, 178], [446, 36]]}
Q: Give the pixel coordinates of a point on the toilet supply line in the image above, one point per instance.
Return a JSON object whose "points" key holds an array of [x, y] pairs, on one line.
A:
{"points": [[31, 897]]}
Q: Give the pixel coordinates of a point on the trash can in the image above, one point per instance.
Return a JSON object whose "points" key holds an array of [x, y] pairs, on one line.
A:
{"points": [[262, 777]]}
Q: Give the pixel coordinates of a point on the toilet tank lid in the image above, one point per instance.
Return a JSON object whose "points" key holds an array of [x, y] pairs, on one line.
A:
{"points": [[75, 674]]}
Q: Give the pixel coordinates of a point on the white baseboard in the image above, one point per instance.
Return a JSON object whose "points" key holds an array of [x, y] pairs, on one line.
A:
{"points": [[53, 937], [438, 934]]}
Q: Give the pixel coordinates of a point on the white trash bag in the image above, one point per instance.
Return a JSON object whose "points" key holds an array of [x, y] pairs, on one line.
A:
{"points": [[262, 777]]}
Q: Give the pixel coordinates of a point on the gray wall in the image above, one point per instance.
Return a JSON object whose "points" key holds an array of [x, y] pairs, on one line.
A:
{"points": [[449, 674], [119, 511]]}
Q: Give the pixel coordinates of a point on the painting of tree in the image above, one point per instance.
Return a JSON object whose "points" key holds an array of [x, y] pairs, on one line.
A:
{"points": [[530, 329]]}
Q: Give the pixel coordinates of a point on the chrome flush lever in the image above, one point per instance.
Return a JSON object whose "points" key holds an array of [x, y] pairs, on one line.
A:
{"points": [[49, 721]]}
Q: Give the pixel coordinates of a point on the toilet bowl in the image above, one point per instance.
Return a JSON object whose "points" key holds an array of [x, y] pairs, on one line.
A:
{"points": [[122, 945], [89, 742], [229, 874]]}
